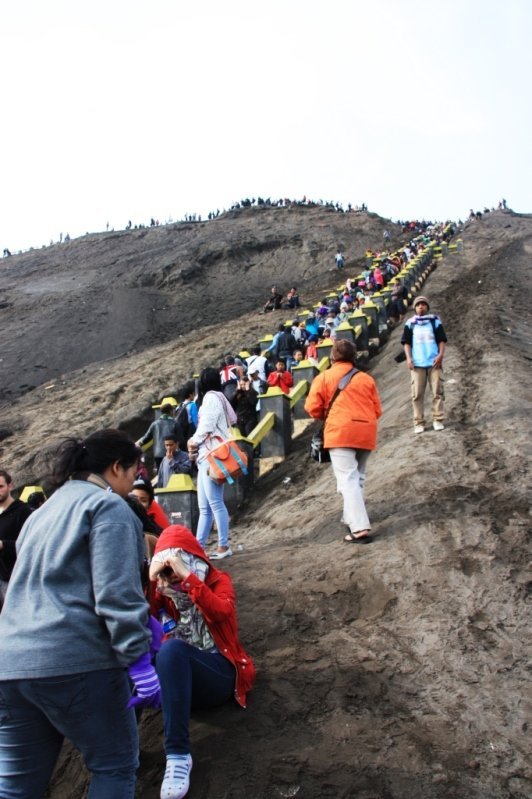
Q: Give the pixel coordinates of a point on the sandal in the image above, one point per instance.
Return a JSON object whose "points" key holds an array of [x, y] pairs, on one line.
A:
{"points": [[350, 538]]}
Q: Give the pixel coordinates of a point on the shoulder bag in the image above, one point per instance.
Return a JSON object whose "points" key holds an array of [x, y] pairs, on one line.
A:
{"points": [[226, 460], [318, 452]]}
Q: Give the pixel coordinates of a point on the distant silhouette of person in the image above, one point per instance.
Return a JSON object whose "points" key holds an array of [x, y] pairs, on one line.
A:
{"points": [[274, 302]]}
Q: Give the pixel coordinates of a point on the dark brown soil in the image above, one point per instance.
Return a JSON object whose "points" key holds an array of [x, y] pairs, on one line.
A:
{"points": [[392, 671]]}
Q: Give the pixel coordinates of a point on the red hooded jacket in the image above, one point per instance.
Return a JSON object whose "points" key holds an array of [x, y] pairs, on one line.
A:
{"points": [[215, 598]]}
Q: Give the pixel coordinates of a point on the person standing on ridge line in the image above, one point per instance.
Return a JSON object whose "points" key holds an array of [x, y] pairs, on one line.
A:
{"points": [[424, 343]]}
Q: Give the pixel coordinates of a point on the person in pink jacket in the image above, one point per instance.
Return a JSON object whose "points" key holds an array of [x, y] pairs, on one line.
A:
{"points": [[350, 432]]}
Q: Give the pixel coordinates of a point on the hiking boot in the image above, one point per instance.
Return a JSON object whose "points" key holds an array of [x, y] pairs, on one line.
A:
{"points": [[419, 428], [176, 780], [438, 426]]}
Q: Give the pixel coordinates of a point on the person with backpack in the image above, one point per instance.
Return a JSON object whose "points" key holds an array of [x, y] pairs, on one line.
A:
{"points": [[424, 343], [350, 432], [186, 414], [286, 344]]}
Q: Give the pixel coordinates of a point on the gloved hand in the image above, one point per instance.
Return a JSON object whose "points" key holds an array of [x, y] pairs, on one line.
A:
{"points": [[156, 635], [146, 683]]}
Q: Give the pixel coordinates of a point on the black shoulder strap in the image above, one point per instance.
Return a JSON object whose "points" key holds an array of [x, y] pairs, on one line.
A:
{"points": [[341, 385]]}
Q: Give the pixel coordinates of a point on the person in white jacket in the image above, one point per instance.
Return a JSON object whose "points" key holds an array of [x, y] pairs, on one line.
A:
{"points": [[216, 416]]}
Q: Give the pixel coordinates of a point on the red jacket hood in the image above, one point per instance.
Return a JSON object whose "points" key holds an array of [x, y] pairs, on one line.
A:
{"points": [[181, 537]]}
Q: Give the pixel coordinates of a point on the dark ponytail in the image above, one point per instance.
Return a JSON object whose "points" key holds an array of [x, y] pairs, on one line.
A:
{"points": [[94, 454], [210, 380]]}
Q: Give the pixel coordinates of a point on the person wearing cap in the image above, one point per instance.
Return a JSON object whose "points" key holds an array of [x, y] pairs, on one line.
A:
{"points": [[350, 432], [424, 343], [202, 663]]}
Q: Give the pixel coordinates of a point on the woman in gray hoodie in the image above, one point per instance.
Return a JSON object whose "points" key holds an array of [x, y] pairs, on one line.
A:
{"points": [[74, 624]]}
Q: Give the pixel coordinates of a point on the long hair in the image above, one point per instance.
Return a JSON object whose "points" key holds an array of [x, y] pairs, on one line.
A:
{"points": [[93, 454], [210, 380]]}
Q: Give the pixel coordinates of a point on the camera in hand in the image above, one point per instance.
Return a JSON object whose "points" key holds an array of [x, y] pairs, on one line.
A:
{"points": [[167, 573]]}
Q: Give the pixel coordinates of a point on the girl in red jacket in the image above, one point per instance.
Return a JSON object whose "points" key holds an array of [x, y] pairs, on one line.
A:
{"points": [[202, 663]]}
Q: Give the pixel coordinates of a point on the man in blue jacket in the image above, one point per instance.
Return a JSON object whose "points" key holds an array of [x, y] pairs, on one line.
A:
{"points": [[424, 342]]}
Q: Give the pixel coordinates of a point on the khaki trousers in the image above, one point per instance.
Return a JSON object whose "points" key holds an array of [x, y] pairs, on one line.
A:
{"points": [[419, 378]]}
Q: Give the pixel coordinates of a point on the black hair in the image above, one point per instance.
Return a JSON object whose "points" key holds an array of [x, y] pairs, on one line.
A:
{"points": [[144, 485], [7, 477], [167, 408], [186, 390], [35, 500], [171, 437], [209, 380], [94, 454], [148, 525]]}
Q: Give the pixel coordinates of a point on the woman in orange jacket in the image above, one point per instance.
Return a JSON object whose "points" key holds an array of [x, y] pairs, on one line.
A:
{"points": [[350, 432]]}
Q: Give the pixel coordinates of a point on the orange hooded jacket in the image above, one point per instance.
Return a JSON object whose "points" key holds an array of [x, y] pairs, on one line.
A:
{"points": [[352, 421]]}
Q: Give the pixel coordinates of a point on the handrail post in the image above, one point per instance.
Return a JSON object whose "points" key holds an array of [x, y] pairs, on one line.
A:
{"points": [[279, 442]]}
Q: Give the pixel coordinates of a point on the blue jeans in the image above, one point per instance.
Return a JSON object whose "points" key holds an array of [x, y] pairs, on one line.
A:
{"points": [[211, 506], [190, 678], [89, 709]]}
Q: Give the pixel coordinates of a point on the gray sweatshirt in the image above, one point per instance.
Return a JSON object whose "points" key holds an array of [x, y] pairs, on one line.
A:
{"points": [[75, 600]]}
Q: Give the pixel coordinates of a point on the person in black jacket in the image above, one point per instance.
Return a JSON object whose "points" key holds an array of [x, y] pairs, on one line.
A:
{"points": [[156, 433], [13, 514], [245, 405], [286, 344]]}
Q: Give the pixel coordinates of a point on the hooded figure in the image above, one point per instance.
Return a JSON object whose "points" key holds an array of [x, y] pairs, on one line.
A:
{"points": [[202, 663]]}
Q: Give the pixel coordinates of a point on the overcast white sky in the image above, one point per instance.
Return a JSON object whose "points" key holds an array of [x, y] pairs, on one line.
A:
{"points": [[119, 109]]}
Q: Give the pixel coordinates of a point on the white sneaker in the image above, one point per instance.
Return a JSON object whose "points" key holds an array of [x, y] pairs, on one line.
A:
{"points": [[419, 428], [176, 780], [438, 426], [221, 555]]}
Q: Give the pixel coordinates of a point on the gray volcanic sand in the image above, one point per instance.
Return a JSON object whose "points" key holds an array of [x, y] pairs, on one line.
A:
{"points": [[390, 671]]}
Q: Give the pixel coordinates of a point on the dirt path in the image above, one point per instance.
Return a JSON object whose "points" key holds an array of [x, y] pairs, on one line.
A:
{"points": [[396, 670]]}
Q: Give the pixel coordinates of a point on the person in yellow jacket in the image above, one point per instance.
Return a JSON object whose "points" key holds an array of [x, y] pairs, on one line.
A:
{"points": [[350, 432]]}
